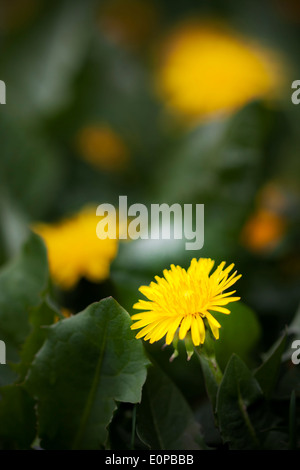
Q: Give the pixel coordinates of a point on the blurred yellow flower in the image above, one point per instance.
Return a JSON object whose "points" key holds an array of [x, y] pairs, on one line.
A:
{"points": [[207, 69], [266, 227], [103, 147], [75, 251], [182, 300], [263, 231]]}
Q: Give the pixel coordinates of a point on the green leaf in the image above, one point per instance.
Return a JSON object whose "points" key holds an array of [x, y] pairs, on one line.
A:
{"points": [[88, 362], [40, 317], [267, 373], [22, 283], [239, 334], [238, 391], [165, 420], [17, 413], [17, 417]]}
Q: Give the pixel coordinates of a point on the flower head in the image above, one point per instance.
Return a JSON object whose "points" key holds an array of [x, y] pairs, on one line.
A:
{"points": [[206, 68], [183, 300], [75, 251]]}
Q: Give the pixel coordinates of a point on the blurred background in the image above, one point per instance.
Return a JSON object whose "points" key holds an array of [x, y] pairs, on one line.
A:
{"points": [[162, 101]]}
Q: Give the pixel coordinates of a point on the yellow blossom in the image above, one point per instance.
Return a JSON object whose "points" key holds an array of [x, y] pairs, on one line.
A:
{"points": [[75, 251], [183, 299], [101, 146], [207, 69]]}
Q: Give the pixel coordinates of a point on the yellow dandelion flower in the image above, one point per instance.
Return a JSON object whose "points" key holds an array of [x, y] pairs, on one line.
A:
{"points": [[103, 147], [182, 300], [207, 69], [75, 251]]}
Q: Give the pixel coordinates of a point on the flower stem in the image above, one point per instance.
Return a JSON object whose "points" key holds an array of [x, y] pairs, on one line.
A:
{"points": [[211, 371], [133, 428]]}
